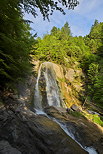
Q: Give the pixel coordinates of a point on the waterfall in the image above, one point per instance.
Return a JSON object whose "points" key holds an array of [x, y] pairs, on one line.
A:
{"points": [[37, 96], [46, 80], [51, 85], [50, 96]]}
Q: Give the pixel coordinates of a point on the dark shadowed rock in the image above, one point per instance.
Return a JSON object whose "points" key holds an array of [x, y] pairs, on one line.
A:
{"points": [[24, 132], [26, 90], [69, 110], [6, 148]]}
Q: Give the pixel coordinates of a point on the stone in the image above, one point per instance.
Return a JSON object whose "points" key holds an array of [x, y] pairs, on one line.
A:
{"points": [[70, 74], [69, 110], [26, 90], [84, 131], [75, 108], [92, 112], [6, 148], [37, 134]]}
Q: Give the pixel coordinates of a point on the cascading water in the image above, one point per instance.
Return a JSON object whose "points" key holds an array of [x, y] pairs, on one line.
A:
{"points": [[90, 150], [47, 80], [37, 96], [52, 90], [47, 74]]}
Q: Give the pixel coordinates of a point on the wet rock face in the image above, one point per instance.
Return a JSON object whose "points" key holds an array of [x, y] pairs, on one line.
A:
{"points": [[42, 89], [24, 132], [68, 80], [46, 89], [85, 132]]}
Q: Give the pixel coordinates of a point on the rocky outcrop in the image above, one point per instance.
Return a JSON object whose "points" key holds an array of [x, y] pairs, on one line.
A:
{"points": [[69, 82], [26, 91], [75, 108], [24, 132], [84, 131]]}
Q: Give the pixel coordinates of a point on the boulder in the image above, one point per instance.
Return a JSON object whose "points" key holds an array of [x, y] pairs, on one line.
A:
{"points": [[92, 112], [74, 107]]}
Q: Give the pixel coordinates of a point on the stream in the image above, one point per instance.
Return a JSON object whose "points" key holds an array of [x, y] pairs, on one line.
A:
{"points": [[46, 80]]}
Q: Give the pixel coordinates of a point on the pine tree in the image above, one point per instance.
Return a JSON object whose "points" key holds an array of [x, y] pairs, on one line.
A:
{"points": [[15, 44], [66, 29]]}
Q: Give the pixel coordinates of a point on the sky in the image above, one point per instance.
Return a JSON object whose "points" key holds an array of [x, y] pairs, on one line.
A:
{"points": [[80, 19]]}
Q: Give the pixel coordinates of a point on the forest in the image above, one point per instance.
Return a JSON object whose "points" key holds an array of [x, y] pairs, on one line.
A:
{"points": [[18, 47], [61, 47], [51, 87], [15, 38]]}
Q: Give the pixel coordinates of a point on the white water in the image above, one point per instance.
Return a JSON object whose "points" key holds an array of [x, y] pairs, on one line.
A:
{"points": [[52, 89], [53, 98], [40, 112], [37, 96], [90, 150]]}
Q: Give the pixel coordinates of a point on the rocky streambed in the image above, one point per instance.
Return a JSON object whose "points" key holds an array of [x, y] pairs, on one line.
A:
{"points": [[81, 129], [25, 132]]}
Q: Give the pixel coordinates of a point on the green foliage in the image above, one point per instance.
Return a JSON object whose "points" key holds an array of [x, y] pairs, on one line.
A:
{"points": [[15, 44], [46, 7], [65, 30], [95, 32], [92, 78], [54, 31], [16, 40], [77, 114], [93, 72], [93, 63], [60, 47], [50, 49], [95, 118]]}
